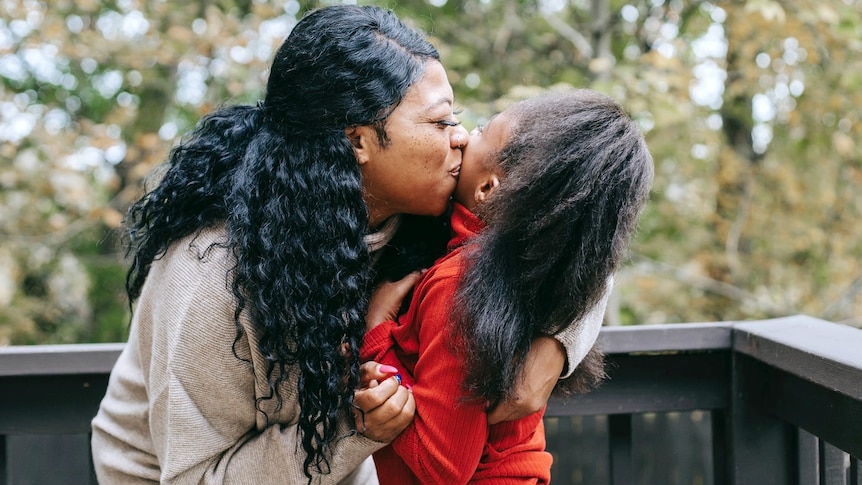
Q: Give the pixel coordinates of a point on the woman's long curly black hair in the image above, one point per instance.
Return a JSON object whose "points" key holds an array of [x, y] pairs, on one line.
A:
{"points": [[284, 179], [576, 174]]}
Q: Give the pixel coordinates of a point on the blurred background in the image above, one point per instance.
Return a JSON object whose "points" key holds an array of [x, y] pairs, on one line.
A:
{"points": [[752, 111]]}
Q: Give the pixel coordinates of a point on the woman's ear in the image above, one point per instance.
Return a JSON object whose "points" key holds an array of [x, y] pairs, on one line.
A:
{"points": [[486, 188], [362, 140]]}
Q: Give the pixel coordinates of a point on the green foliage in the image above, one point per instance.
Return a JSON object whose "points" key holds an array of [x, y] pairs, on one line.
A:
{"points": [[110, 315], [752, 111]]}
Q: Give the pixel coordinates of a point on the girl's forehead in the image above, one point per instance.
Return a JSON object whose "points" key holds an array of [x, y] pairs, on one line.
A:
{"points": [[491, 119], [498, 128]]}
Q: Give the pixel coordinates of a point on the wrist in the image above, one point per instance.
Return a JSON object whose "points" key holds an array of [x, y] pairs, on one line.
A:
{"points": [[552, 352]]}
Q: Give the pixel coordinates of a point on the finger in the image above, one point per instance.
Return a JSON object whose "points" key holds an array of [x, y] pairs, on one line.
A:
{"points": [[405, 284], [359, 420], [401, 411], [391, 407], [370, 398], [374, 371], [408, 411], [387, 421]]}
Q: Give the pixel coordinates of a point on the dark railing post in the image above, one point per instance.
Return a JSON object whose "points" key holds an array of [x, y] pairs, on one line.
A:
{"points": [[720, 447], [621, 464], [854, 472], [831, 465], [761, 447], [49, 459], [2, 459], [808, 452]]}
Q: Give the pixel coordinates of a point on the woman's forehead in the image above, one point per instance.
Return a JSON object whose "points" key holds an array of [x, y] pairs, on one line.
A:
{"points": [[431, 91]]}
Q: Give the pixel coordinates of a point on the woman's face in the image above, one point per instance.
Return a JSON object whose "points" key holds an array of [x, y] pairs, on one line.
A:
{"points": [[417, 171]]}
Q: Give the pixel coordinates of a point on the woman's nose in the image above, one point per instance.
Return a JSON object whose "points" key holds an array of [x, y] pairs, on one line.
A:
{"points": [[459, 137]]}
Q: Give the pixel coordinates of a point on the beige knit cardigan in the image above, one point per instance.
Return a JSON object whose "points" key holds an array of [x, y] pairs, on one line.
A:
{"points": [[180, 406]]}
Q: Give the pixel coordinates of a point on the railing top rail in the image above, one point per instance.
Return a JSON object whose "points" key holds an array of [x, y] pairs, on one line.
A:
{"points": [[826, 353], [679, 337], [28, 360], [23, 360], [822, 352]]}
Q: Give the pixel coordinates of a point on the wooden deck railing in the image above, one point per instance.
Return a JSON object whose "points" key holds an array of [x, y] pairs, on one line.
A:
{"points": [[773, 402]]}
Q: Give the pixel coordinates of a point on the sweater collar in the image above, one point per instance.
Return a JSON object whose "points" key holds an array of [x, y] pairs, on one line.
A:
{"points": [[376, 240], [465, 225]]}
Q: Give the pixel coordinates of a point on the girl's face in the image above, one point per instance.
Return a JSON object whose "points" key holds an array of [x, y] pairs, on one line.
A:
{"points": [[417, 172], [479, 172]]}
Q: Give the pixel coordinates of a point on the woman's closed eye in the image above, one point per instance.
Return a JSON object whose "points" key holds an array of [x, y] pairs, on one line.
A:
{"points": [[449, 122]]}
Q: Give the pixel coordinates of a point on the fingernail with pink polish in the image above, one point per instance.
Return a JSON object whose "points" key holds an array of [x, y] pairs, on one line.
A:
{"points": [[387, 369]]}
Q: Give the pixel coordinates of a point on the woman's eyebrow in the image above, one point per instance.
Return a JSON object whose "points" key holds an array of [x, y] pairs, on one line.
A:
{"points": [[447, 101]]}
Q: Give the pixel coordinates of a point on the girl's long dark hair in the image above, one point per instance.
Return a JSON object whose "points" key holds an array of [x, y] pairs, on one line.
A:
{"points": [[284, 179], [577, 173]]}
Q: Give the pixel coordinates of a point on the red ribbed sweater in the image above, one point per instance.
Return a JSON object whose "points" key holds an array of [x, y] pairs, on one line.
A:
{"points": [[449, 441]]}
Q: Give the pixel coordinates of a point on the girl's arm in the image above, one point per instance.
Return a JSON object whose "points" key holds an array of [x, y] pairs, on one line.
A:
{"points": [[446, 439]]}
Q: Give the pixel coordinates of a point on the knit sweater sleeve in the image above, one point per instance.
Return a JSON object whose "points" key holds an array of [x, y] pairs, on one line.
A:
{"points": [[205, 390], [579, 338]]}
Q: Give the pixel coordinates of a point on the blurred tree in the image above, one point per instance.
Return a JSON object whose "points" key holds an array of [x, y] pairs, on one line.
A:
{"points": [[92, 95], [784, 173], [752, 109]]}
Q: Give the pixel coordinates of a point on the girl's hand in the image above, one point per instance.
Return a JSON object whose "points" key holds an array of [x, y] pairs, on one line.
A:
{"points": [[384, 408], [543, 367], [386, 299]]}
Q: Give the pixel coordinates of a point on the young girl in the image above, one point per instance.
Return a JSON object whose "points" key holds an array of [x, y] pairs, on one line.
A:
{"points": [[548, 197]]}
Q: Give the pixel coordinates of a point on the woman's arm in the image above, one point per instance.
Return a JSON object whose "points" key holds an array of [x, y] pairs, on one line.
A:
{"points": [[542, 369], [387, 299], [206, 391], [551, 359]]}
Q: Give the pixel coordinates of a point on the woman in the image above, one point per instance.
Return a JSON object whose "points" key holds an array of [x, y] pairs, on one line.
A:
{"points": [[251, 266], [253, 263]]}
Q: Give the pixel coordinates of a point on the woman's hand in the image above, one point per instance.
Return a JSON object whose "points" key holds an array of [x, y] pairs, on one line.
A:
{"points": [[542, 369], [386, 299], [383, 407]]}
